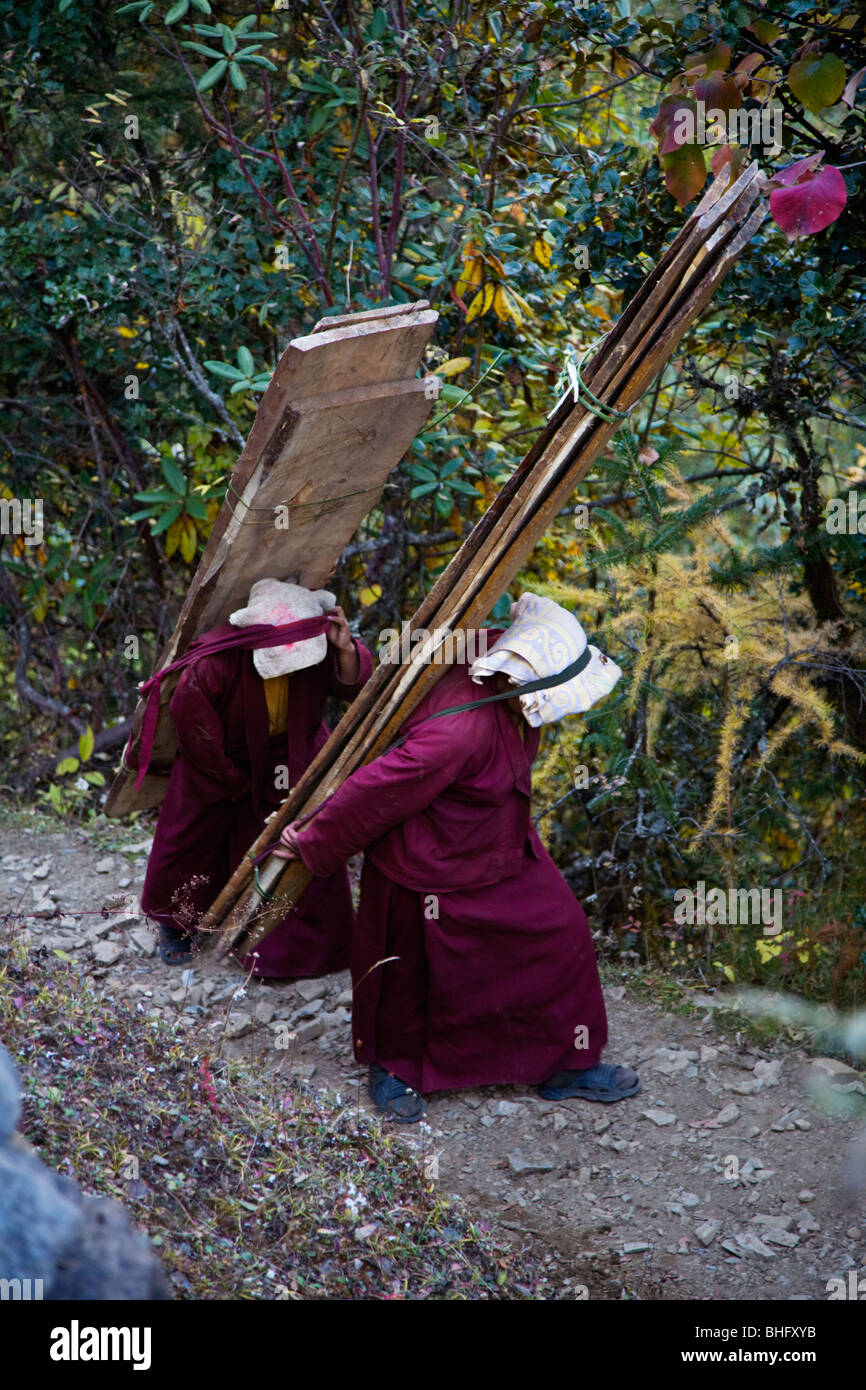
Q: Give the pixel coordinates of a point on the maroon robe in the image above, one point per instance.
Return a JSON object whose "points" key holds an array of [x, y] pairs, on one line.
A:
{"points": [[495, 972], [221, 789]]}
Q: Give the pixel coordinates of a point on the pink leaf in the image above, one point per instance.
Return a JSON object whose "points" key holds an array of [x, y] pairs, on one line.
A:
{"points": [[798, 171], [728, 154], [715, 59], [746, 66], [719, 92], [669, 122], [809, 206]]}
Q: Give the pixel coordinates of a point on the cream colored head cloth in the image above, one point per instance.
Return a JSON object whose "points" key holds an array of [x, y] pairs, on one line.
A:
{"points": [[542, 640], [272, 601]]}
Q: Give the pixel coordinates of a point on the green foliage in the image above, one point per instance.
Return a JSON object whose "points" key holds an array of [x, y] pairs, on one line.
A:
{"points": [[199, 185]]}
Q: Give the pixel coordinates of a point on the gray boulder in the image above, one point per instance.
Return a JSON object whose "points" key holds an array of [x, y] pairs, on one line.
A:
{"points": [[80, 1247], [10, 1099]]}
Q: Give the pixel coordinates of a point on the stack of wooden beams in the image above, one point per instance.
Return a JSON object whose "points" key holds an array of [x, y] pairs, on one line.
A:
{"points": [[620, 372]]}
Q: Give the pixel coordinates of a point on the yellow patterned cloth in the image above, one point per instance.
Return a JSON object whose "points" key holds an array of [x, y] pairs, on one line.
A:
{"points": [[277, 697]]}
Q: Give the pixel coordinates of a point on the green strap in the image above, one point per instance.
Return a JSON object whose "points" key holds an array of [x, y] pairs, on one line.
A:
{"points": [[262, 892], [545, 683], [580, 392], [584, 396]]}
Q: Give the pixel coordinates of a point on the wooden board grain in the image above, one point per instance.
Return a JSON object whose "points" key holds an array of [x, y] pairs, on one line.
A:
{"points": [[342, 408]]}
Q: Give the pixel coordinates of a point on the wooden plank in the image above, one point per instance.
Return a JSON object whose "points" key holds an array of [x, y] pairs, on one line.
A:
{"points": [[389, 311], [342, 408]]}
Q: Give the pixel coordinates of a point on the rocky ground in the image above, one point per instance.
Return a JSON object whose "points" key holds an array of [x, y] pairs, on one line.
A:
{"points": [[721, 1180]]}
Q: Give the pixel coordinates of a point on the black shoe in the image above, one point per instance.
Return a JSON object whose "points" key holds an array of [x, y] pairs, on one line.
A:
{"points": [[175, 947], [394, 1098]]}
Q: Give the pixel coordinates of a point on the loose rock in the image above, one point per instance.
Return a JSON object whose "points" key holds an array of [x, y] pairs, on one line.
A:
{"points": [[310, 989], [144, 940], [238, 1023], [521, 1166], [107, 952], [504, 1108], [309, 1010]]}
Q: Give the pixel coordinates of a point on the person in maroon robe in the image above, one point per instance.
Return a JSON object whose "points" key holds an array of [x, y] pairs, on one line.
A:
{"points": [[243, 740], [472, 962]]}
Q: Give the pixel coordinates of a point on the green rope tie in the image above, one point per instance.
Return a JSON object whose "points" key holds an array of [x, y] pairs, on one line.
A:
{"points": [[262, 892], [584, 397], [581, 392]]}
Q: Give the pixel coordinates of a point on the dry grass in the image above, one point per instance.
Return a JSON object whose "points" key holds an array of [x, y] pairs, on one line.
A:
{"points": [[251, 1184]]}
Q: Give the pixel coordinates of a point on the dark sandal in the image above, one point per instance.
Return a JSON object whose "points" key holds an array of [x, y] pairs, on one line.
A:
{"points": [[393, 1097], [175, 947], [594, 1083]]}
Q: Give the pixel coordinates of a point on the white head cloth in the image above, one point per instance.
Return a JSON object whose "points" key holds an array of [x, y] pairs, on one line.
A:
{"points": [[542, 640], [272, 601]]}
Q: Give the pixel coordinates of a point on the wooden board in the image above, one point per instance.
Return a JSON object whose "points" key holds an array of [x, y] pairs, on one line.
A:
{"points": [[342, 408]]}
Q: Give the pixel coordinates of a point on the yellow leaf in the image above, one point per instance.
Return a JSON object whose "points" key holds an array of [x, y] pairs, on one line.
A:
{"points": [[369, 596], [623, 67], [521, 302], [187, 538], [85, 744], [541, 251], [518, 308], [470, 276], [173, 537], [500, 305], [496, 263], [127, 332], [481, 303], [453, 366]]}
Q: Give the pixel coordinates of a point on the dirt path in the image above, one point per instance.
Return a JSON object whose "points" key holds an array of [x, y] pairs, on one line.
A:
{"points": [[720, 1180]]}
